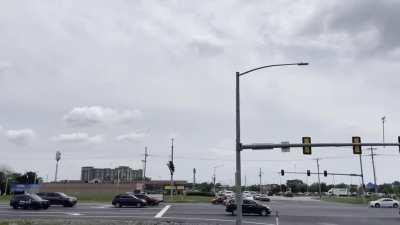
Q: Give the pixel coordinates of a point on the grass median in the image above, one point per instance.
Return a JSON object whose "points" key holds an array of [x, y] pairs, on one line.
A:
{"points": [[187, 199], [349, 200]]}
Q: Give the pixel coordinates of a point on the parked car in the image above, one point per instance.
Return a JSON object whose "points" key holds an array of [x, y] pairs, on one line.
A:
{"points": [[149, 200], [384, 202], [257, 197], [264, 198], [249, 206], [288, 194], [28, 201], [58, 198], [218, 200], [128, 200]]}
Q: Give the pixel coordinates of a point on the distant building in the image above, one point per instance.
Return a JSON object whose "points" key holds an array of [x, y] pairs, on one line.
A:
{"points": [[122, 174]]}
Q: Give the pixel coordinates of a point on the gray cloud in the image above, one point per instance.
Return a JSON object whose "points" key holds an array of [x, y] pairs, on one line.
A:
{"points": [[364, 27], [133, 137], [20, 137], [175, 61], [78, 138], [95, 115]]}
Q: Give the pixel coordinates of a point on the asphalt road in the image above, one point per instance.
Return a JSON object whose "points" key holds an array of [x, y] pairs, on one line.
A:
{"points": [[291, 212]]}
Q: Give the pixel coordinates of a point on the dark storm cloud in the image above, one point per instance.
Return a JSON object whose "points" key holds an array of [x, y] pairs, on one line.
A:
{"points": [[370, 27]]}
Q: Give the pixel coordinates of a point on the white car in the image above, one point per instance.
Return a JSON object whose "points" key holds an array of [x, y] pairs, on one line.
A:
{"points": [[384, 202]]}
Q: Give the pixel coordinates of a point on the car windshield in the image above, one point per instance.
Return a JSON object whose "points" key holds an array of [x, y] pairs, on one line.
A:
{"points": [[35, 197], [134, 197], [62, 194]]}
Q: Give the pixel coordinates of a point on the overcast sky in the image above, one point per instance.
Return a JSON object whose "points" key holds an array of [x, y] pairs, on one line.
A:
{"points": [[100, 80]]}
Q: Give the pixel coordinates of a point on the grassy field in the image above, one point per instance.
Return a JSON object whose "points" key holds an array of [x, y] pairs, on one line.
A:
{"points": [[4, 199], [187, 199], [349, 200]]}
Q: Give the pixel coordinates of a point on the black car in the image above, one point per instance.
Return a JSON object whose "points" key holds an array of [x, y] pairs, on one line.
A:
{"points": [[28, 201], [249, 206], [128, 200], [149, 200], [58, 198]]}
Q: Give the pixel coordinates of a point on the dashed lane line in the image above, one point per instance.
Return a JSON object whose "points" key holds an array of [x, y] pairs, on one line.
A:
{"points": [[161, 213]]}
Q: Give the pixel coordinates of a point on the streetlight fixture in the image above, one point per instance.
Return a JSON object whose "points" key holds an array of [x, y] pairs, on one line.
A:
{"points": [[58, 157], [238, 182]]}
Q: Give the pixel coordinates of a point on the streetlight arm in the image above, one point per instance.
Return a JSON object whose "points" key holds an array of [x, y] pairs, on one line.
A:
{"points": [[262, 67]]}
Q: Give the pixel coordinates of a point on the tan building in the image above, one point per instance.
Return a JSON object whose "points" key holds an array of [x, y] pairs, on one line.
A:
{"points": [[120, 174]]}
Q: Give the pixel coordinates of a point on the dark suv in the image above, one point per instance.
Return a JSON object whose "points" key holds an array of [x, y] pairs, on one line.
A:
{"points": [[149, 200], [28, 201], [58, 198], [249, 206], [128, 200]]}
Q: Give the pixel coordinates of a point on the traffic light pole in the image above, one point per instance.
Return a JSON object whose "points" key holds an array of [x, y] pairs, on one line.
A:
{"points": [[362, 176], [144, 169], [260, 175], [172, 173], [239, 148], [238, 182], [373, 168], [319, 181]]}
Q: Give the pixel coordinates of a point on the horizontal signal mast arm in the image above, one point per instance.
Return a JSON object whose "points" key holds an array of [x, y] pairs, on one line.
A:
{"points": [[261, 146]]}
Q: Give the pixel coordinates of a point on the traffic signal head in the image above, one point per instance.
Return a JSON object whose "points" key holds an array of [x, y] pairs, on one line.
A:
{"points": [[398, 138], [308, 172], [306, 149], [325, 173], [171, 167], [282, 172], [356, 148]]}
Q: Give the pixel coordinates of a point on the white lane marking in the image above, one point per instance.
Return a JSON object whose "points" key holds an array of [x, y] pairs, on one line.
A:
{"points": [[216, 220], [101, 206], [161, 213], [74, 214]]}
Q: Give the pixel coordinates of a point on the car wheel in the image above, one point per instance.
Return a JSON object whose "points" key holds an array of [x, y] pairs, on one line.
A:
{"points": [[15, 207], [264, 212], [377, 205], [395, 205], [118, 205]]}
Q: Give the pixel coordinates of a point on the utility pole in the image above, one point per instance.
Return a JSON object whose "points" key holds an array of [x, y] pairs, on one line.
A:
{"points": [[362, 176], [260, 174], [319, 180], [245, 181], [144, 169], [373, 168], [383, 129], [172, 173], [194, 178], [58, 157], [215, 178]]}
